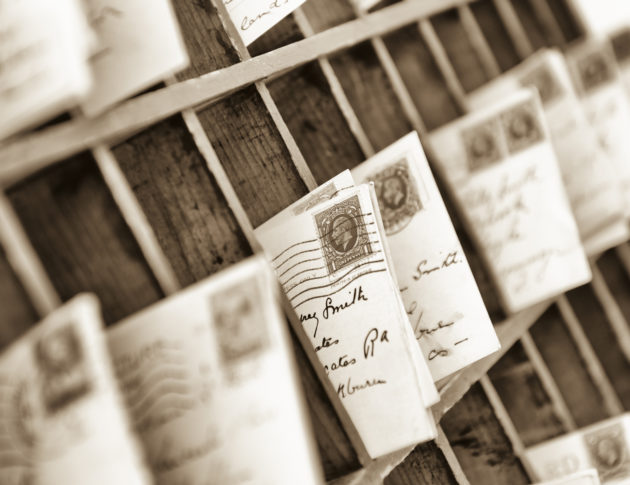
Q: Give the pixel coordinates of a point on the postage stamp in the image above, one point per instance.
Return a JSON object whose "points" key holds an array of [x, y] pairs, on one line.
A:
{"points": [[236, 313], [482, 145], [343, 234], [397, 195], [544, 80], [61, 362], [522, 126], [595, 69], [608, 452]]}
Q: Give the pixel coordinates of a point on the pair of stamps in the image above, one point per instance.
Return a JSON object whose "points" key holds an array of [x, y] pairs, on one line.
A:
{"points": [[509, 133]]}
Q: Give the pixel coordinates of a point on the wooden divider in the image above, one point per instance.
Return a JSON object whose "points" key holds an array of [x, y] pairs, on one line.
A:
{"points": [[166, 189]]}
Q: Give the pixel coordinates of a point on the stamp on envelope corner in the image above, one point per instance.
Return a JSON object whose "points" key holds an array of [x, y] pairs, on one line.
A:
{"points": [[544, 80], [481, 142], [595, 69], [522, 126], [343, 234], [236, 314], [608, 452], [60, 359], [397, 195]]}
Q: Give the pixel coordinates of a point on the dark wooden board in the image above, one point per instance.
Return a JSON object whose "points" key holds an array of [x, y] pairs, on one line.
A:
{"points": [[524, 397], [17, 314], [477, 438], [187, 211], [567, 367], [603, 340], [425, 465], [82, 239], [495, 33]]}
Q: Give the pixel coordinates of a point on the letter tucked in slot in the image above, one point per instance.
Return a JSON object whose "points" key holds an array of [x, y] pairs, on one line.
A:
{"points": [[334, 267], [209, 381], [590, 178], [508, 188], [63, 420], [442, 301]]}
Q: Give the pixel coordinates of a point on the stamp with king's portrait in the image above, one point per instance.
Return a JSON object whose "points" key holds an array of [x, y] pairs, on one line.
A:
{"points": [[608, 452], [482, 144], [60, 359], [236, 314], [522, 126], [397, 194], [595, 69], [343, 234]]}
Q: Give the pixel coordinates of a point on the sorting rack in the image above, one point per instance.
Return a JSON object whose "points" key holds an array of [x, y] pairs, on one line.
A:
{"points": [[166, 188]]}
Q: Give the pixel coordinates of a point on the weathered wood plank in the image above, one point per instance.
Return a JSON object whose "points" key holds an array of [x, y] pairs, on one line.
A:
{"points": [[534, 31], [567, 368], [181, 200], [17, 314], [481, 446], [603, 339], [467, 64], [524, 397], [425, 465], [81, 238], [495, 32]]}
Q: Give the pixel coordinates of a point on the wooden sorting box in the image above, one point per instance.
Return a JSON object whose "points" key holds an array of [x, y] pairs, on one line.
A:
{"points": [[165, 190]]}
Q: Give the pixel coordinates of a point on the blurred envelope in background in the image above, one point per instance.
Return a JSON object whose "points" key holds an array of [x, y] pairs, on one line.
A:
{"points": [[501, 169], [63, 420], [441, 298], [209, 380], [589, 176], [252, 18], [604, 446], [140, 45], [585, 477], [333, 264], [43, 61], [597, 81]]}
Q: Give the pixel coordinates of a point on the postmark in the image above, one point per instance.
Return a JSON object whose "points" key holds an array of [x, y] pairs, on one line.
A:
{"points": [[522, 127], [482, 144], [237, 318], [544, 80], [608, 452], [61, 362], [594, 70], [343, 234], [397, 195]]}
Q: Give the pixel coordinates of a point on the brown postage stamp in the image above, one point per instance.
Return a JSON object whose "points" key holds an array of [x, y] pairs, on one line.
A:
{"points": [[343, 234]]}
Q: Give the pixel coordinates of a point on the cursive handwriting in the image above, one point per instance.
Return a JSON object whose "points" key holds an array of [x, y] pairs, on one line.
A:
{"points": [[340, 363], [326, 342], [369, 343], [438, 353], [348, 389], [421, 332], [423, 268], [247, 22], [330, 309], [310, 316]]}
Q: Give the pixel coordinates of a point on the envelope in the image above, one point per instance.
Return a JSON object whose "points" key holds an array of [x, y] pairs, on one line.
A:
{"points": [[333, 265], [597, 81], [63, 419], [209, 380], [439, 291], [604, 446], [589, 176], [500, 167]]}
